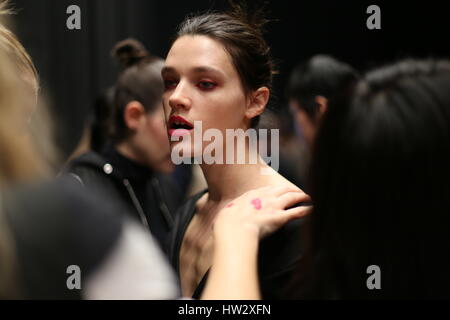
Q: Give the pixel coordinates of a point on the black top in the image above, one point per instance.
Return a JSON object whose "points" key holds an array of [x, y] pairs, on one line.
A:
{"points": [[150, 197], [278, 258], [140, 178]]}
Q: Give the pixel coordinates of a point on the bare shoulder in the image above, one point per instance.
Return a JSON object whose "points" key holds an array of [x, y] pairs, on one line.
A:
{"points": [[277, 179]]}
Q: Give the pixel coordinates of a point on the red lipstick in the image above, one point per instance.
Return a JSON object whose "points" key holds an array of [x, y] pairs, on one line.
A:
{"points": [[179, 126]]}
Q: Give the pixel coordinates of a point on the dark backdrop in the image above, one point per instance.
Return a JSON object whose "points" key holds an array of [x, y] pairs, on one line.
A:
{"points": [[75, 66]]}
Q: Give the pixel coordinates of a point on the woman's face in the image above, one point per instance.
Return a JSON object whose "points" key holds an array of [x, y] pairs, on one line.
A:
{"points": [[201, 84]]}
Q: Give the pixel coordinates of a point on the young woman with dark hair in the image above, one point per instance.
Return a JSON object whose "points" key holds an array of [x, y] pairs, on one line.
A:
{"points": [[219, 72]]}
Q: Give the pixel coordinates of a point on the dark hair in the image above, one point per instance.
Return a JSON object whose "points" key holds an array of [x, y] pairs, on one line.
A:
{"points": [[140, 80], [381, 187], [100, 119], [321, 75], [241, 34]]}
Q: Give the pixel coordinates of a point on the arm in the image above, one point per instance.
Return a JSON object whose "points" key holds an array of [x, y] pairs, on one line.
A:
{"points": [[237, 231], [234, 273]]}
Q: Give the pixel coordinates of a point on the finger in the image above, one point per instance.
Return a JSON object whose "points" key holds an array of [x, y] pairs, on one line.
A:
{"points": [[280, 218], [298, 212], [291, 198], [284, 217]]}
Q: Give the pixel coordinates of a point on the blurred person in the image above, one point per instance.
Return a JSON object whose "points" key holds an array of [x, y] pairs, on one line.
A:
{"points": [[219, 71], [133, 168], [376, 157], [380, 184], [48, 226], [313, 85], [188, 178]]}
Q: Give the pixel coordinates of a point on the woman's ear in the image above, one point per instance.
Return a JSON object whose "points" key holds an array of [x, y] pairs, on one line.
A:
{"points": [[322, 106], [257, 102], [134, 115]]}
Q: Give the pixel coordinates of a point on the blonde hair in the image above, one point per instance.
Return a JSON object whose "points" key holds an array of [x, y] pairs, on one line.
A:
{"points": [[20, 159], [27, 149], [12, 47], [13, 155]]}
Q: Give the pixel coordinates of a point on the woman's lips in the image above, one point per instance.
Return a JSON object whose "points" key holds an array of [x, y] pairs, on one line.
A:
{"points": [[179, 132], [178, 126]]}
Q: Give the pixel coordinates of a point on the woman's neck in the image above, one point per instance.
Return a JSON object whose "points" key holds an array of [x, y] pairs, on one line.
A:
{"points": [[228, 181], [128, 152]]}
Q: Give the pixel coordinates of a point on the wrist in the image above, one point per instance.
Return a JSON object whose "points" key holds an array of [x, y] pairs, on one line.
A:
{"points": [[233, 233], [244, 241]]}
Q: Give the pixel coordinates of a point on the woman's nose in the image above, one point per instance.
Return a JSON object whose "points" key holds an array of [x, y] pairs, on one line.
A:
{"points": [[180, 98]]}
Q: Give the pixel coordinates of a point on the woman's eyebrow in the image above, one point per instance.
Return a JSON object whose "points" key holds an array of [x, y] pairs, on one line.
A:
{"points": [[205, 69], [199, 69]]}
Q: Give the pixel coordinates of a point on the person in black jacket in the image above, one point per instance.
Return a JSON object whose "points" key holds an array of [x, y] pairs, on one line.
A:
{"points": [[133, 168]]}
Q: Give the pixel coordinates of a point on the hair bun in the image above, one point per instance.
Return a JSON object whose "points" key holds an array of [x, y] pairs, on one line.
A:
{"points": [[129, 51]]}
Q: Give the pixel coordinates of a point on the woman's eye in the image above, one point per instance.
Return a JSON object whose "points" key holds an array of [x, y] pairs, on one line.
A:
{"points": [[207, 85], [169, 84]]}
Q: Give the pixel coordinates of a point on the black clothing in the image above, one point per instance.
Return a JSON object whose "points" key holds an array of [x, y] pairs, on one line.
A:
{"points": [[150, 197], [54, 226], [278, 258]]}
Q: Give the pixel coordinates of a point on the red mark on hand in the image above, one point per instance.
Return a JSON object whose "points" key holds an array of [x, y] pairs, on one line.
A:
{"points": [[257, 203], [230, 205]]}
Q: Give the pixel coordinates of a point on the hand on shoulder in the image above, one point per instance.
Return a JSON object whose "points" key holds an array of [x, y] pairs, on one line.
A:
{"points": [[260, 212]]}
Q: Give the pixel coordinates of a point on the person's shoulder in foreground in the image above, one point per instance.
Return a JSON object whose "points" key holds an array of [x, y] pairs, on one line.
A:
{"points": [[61, 232]]}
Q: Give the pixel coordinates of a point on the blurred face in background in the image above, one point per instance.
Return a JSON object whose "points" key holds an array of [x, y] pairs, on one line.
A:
{"points": [[157, 142], [304, 122], [148, 139], [308, 125]]}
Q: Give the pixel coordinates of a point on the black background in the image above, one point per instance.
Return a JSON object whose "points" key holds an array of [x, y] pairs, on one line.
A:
{"points": [[75, 65]]}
